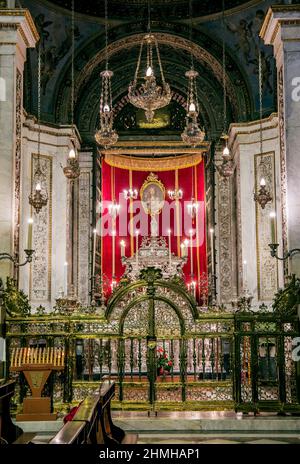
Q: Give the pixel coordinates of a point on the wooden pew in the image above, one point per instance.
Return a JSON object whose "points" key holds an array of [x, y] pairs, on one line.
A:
{"points": [[8, 431], [92, 422]]}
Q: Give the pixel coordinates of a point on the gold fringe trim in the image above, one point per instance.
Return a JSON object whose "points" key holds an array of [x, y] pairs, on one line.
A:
{"points": [[152, 164]]}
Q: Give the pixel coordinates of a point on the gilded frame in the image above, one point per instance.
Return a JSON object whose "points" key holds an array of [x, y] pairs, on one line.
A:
{"points": [[153, 180]]}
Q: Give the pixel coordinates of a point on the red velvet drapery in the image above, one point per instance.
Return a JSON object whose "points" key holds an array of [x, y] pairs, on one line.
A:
{"points": [[132, 217]]}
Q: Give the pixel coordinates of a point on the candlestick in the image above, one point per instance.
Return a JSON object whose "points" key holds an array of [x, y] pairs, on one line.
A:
{"points": [[137, 248], [66, 278], [192, 258], [123, 246], [29, 238], [212, 252], [170, 250], [273, 227], [113, 253], [245, 273], [94, 250]]}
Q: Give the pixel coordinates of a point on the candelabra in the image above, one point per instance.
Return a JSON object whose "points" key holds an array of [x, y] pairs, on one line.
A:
{"points": [[175, 194], [14, 259], [289, 254], [130, 194]]}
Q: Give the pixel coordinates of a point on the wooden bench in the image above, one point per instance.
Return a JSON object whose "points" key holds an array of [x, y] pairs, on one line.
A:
{"points": [[92, 422], [9, 432]]}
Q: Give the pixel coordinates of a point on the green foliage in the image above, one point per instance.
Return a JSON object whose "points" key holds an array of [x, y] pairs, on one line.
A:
{"points": [[287, 299], [15, 302]]}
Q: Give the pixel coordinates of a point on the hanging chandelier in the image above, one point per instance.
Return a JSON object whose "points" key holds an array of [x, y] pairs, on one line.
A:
{"points": [[192, 135], [148, 95], [39, 195], [176, 194], [226, 168], [72, 169], [263, 196], [106, 135]]}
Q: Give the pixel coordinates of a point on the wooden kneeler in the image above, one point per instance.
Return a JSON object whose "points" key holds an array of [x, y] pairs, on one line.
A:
{"points": [[37, 365]]}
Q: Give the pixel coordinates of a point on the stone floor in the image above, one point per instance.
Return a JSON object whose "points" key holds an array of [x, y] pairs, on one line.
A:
{"points": [[192, 428]]}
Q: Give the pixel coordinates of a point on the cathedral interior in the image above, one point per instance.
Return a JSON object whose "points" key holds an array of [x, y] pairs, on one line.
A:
{"points": [[149, 221]]}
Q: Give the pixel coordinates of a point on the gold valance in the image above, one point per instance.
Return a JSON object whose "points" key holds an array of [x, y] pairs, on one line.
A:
{"points": [[152, 164]]}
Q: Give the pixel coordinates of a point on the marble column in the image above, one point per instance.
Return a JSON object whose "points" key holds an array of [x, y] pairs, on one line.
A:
{"points": [[281, 29], [17, 33], [225, 237]]}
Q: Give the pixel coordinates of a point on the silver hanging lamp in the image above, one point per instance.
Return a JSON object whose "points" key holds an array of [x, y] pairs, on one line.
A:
{"points": [[106, 135], [38, 198]]}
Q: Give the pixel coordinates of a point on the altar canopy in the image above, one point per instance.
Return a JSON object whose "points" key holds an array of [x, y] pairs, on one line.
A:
{"points": [[153, 213]]}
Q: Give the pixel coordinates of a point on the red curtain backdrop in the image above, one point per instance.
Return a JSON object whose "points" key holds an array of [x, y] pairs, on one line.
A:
{"points": [[190, 180]]}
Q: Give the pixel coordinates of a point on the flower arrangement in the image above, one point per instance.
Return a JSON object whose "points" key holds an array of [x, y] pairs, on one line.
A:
{"points": [[164, 364], [287, 299]]}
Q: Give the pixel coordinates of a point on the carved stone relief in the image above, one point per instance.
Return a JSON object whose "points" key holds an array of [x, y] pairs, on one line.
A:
{"points": [[84, 237], [267, 272], [283, 187], [40, 273], [225, 233], [19, 96]]}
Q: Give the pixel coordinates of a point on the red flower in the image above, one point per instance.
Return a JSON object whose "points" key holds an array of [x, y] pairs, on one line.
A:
{"points": [[170, 363], [161, 370], [165, 356]]}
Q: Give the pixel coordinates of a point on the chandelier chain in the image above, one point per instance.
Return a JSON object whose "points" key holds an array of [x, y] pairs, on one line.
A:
{"points": [[106, 36], [159, 63], [72, 63], [260, 100], [39, 102], [149, 17], [191, 32], [224, 69]]}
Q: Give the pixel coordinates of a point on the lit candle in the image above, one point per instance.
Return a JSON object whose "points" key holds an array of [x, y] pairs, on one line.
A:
{"points": [[170, 249], [182, 246], [94, 250], [123, 246], [29, 238], [212, 251], [192, 258], [66, 279], [113, 253], [137, 248], [262, 182], [273, 227]]}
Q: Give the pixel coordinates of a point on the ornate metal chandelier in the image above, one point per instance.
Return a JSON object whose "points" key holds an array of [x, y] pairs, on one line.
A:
{"points": [[39, 196], [192, 135], [72, 170], [263, 196], [149, 96], [226, 168], [106, 135]]}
